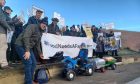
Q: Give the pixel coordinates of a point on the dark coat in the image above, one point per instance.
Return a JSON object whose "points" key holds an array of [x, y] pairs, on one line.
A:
{"points": [[32, 20], [31, 37], [10, 22], [52, 29], [73, 33], [100, 46], [95, 35], [66, 33], [3, 24]]}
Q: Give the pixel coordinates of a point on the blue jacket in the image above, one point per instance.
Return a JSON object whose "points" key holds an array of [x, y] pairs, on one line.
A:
{"points": [[83, 54]]}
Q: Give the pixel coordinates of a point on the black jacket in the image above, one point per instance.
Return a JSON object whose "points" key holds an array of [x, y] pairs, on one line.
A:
{"points": [[52, 29], [32, 20]]}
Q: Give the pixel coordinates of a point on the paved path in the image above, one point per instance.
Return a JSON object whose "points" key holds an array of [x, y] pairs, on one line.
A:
{"points": [[122, 75]]}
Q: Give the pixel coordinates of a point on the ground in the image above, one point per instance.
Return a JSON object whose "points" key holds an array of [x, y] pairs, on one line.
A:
{"points": [[122, 75]]}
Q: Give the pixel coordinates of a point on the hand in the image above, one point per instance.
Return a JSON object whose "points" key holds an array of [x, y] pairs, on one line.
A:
{"points": [[9, 30], [41, 56], [57, 33], [27, 55]]}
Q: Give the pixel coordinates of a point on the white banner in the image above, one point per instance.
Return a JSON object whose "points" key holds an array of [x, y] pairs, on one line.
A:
{"points": [[61, 19], [69, 45], [9, 36], [110, 26], [100, 34], [21, 17], [56, 15], [118, 38]]}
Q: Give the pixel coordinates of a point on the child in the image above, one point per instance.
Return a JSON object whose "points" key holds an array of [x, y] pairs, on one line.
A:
{"points": [[83, 54], [100, 47], [114, 47]]}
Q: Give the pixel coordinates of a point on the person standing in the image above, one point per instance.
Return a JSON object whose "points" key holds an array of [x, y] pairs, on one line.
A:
{"points": [[29, 38], [4, 28], [11, 55], [35, 19], [53, 27], [100, 47]]}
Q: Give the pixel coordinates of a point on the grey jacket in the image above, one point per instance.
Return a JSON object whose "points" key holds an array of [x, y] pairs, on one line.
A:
{"points": [[3, 24], [31, 37]]}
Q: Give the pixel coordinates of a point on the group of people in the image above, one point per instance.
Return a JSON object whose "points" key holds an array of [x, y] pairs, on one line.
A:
{"points": [[26, 40]]}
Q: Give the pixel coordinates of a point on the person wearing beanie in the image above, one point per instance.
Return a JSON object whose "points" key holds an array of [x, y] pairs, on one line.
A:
{"points": [[29, 38]]}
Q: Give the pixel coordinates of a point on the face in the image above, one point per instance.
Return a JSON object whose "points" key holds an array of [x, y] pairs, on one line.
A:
{"points": [[8, 11], [38, 15], [101, 38], [93, 28], [64, 28], [55, 22], [43, 26], [2, 2]]}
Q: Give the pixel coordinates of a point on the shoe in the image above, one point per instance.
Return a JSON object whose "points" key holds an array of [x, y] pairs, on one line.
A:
{"points": [[6, 67], [35, 82]]}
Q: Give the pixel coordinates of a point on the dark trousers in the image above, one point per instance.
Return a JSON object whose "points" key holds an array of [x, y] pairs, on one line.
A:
{"points": [[29, 65], [99, 54], [11, 51], [114, 52], [94, 53]]}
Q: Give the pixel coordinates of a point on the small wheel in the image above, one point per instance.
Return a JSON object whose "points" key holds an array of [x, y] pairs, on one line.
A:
{"points": [[70, 75], [113, 66], [102, 69], [89, 71]]}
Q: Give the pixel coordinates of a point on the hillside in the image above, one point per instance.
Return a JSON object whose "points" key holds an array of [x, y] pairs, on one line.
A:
{"points": [[130, 40]]}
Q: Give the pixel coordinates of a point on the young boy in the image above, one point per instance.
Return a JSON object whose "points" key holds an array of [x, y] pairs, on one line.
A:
{"points": [[83, 54]]}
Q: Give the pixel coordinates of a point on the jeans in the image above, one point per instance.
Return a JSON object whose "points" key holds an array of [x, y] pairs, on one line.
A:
{"points": [[29, 65]]}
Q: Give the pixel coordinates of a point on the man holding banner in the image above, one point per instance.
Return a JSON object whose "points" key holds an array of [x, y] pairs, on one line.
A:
{"points": [[53, 27]]}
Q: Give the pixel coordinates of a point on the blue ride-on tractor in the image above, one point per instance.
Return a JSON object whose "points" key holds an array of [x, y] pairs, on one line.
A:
{"points": [[74, 66]]}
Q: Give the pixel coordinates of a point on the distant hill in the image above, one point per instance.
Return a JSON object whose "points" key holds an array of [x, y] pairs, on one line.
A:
{"points": [[130, 39]]}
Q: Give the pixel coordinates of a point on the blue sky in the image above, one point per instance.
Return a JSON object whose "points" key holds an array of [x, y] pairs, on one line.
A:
{"points": [[124, 13]]}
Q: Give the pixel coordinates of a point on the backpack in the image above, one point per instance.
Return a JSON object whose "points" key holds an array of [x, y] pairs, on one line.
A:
{"points": [[42, 76]]}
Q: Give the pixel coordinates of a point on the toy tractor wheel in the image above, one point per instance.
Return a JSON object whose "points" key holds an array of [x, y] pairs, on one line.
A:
{"points": [[70, 75], [102, 69], [89, 71], [113, 66]]}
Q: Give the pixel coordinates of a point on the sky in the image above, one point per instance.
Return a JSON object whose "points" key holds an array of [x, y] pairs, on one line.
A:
{"points": [[125, 14]]}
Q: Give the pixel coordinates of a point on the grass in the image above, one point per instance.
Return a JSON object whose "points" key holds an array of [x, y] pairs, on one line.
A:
{"points": [[128, 52]]}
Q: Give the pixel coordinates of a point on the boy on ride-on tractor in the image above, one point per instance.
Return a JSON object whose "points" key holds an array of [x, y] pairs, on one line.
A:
{"points": [[83, 54]]}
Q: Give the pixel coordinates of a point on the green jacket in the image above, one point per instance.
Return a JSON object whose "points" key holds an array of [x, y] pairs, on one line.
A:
{"points": [[30, 37], [3, 24]]}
